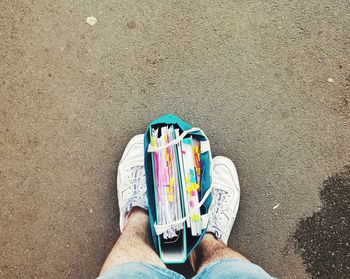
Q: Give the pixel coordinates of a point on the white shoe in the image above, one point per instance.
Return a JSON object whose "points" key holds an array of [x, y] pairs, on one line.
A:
{"points": [[226, 193], [131, 181]]}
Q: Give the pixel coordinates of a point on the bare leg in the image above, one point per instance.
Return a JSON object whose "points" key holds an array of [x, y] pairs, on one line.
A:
{"points": [[134, 244], [210, 250]]}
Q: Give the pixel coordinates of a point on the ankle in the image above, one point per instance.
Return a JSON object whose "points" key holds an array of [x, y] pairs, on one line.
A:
{"points": [[210, 239], [137, 216], [208, 246], [137, 211], [210, 250]]}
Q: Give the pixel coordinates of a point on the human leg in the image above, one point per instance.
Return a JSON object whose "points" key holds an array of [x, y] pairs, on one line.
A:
{"points": [[222, 214], [133, 254], [134, 244], [211, 250], [212, 257], [233, 269]]}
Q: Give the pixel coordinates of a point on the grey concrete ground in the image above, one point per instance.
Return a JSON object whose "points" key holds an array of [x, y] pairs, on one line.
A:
{"points": [[269, 81]]}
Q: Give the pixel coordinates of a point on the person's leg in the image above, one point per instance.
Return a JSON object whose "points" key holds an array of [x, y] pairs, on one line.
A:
{"points": [[211, 250], [213, 258], [134, 244], [133, 255], [222, 214]]}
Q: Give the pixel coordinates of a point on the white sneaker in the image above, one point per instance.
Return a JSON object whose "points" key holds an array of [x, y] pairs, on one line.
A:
{"points": [[226, 193], [131, 181]]}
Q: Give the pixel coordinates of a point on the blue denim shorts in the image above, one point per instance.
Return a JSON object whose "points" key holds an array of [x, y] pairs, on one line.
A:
{"points": [[224, 269]]}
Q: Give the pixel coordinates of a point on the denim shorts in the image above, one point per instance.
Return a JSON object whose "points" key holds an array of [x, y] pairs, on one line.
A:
{"points": [[224, 269]]}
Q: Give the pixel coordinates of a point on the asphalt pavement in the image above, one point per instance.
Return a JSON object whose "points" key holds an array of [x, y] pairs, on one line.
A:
{"points": [[268, 81]]}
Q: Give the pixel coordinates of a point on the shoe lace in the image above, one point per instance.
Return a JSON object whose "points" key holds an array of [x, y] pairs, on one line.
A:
{"points": [[221, 199], [137, 180]]}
